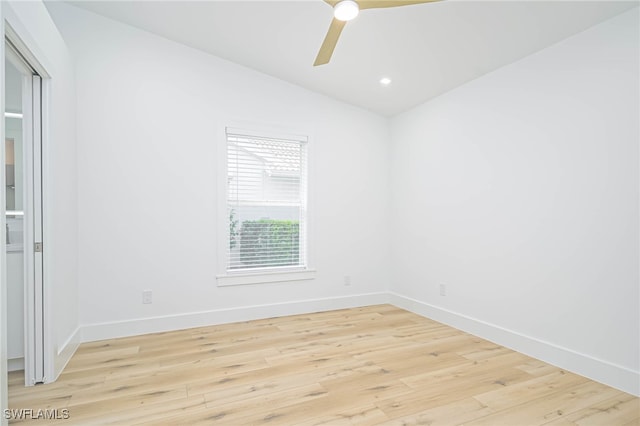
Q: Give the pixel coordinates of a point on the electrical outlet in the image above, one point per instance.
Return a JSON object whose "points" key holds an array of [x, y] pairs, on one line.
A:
{"points": [[147, 297], [443, 289], [347, 280]]}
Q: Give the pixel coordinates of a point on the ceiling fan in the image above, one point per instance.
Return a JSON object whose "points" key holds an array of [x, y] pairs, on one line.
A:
{"points": [[346, 10]]}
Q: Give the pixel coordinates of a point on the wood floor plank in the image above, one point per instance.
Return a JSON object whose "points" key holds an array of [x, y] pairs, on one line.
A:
{"points": [[553, 407], [449, 388], [363, 366], [620, 410], [258, 401], [158, 411], [360, 416], [538, 387], [456, 413], [327, 410], [537, 368]]}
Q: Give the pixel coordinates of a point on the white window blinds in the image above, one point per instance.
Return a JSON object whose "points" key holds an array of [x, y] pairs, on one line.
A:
{"points": [[266, 201]]}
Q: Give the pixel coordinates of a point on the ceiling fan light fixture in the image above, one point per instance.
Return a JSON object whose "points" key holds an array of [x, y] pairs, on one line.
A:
{"points": [[346, 10]]}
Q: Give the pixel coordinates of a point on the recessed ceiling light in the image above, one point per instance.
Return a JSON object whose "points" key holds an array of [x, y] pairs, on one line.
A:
{"points": [[346, 10], [385, 81]]}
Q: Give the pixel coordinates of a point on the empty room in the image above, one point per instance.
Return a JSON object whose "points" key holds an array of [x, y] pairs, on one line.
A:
{"points": [[320, 212]]}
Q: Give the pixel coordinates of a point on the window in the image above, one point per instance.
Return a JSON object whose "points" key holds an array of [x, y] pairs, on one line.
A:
{"points": [[266, 203]]}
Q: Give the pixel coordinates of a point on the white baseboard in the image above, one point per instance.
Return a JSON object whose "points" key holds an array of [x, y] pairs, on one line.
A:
{"points": [[65, 352], [599, 370], [15, 364], [110, 330]]}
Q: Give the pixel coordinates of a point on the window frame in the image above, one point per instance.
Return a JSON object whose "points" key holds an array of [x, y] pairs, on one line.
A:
{"points": [[227, 277]]}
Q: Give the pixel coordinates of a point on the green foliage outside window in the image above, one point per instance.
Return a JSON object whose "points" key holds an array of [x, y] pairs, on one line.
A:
{"points": [[233, 229], [269, 242]]}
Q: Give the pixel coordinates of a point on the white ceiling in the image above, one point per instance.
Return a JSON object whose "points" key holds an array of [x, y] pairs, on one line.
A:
{"points": [[425, 49]]}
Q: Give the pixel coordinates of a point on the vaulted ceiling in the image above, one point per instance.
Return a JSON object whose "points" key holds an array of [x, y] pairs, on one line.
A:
{"points": [[424, 49]]}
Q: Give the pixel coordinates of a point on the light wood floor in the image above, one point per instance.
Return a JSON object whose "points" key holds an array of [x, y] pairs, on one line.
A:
{"points": [[372, 365]]}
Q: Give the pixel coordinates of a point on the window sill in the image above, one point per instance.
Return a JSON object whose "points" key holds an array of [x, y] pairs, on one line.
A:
{"points": [[265, 277]]}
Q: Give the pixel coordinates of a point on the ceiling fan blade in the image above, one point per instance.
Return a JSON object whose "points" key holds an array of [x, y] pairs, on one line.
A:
{"points": [[379, 4], [329, 43]]}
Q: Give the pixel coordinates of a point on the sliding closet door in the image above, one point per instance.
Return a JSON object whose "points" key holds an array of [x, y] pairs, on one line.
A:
{"points": [[24, 236]]}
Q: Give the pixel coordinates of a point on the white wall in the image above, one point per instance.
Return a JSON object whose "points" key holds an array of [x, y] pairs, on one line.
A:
{"points": [[150, 116], [519, 191], [36, 29]]}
